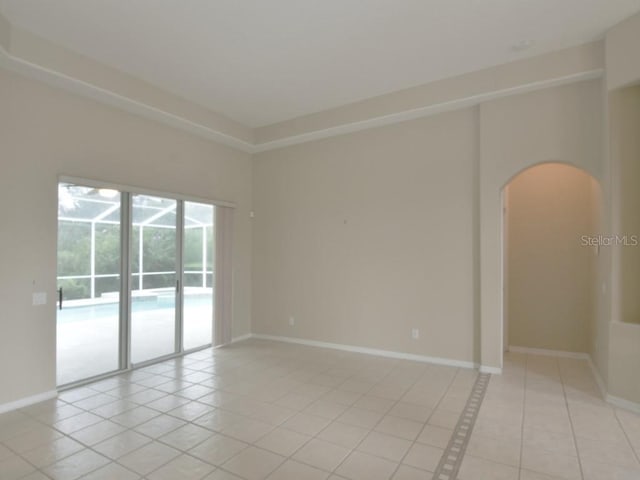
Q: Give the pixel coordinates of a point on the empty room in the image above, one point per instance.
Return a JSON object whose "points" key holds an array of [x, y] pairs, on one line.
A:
{"points": [[304, 240]]}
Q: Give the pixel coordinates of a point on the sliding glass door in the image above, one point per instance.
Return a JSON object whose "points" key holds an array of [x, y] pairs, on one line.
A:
{"points": [[88, 281], [135, 278], [154, 280], [198, 275]]}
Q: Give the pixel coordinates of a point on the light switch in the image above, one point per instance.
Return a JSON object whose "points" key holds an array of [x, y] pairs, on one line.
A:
{"points": [[39, 298]]}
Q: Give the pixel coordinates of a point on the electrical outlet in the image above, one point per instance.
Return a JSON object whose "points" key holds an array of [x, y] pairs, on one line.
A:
{"points": [[292, 321], [415, 333], [39, 298]]}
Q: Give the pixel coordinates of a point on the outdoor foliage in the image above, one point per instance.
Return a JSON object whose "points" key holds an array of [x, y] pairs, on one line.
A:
{"points": [[159, 255]]}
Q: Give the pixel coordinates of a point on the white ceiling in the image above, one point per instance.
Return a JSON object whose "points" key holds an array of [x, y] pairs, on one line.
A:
{"points": [[264, 61]]}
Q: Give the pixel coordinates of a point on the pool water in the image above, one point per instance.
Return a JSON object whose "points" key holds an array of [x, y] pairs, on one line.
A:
{"points": [[82, 313]]}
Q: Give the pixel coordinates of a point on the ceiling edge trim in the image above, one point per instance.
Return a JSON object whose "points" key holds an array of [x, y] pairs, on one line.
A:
{"points": [[108, 97], [426, 111]]}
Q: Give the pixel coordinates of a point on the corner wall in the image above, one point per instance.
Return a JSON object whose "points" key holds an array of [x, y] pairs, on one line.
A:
{"points": [[623, 114], [621, 53], [46, 132], [625, 138], [364, 236], [598, 348], [624, 328]]}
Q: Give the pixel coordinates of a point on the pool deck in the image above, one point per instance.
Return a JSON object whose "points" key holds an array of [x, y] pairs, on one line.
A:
{"points": [[90, 347]]}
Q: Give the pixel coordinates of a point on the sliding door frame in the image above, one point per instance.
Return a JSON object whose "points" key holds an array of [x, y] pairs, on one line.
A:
{"points": [[179, 277], [143, 191], [125, 309], [125, 282]]}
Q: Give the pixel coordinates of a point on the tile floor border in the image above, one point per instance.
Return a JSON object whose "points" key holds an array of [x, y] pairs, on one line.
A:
{"points": [[453, 454]]}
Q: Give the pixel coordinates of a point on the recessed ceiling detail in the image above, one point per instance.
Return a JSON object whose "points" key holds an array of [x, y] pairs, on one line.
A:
{"points": [[261, 62]]}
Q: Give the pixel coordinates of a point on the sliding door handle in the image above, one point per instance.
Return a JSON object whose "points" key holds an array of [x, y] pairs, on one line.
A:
{"points": [[177, 286], [60, 298]]}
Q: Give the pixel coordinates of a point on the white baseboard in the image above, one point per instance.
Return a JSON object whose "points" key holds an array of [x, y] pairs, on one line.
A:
{"points": [[240, 338], [368, 351], [596, 374], [622, 403], [548, 353], [491, 370], [611, 399], [25, 402]]}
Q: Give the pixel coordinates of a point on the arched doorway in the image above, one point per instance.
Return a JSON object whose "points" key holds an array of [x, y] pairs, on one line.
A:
{"points": [[550, 217]]}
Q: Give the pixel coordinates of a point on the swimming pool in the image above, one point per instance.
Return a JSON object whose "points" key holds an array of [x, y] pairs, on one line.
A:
{"points": [[159, 302]]}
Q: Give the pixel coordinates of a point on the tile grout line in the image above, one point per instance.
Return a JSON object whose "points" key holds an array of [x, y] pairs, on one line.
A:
{"points": [[63, 435], [398, 400], [351, 449], [573, 432], [153, 439], [252, 444], [215, 432], [188, 422], [126, 429], [86, 446], [371, 430], [36, 416], [524, 410], [133, 428], [453, 454], [147, 383], [426, 423], [626, 435]]}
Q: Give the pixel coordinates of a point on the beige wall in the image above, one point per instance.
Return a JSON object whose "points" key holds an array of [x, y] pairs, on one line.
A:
{"points": [[624, 329], [396, 173], [407, 257], [620, 336], [421, 201], [5, 33], [625, 106], [45, 132], [621, 48], [365, 236], [421, 214], [41, 59], [624, 361], [549, 270], [598, 347]]}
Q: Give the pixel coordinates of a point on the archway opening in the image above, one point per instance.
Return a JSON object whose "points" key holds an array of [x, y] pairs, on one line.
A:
{"points": [[550, 224]]}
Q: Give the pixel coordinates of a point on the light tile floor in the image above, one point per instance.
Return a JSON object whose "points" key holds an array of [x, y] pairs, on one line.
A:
{"points": [[267, 410], [544, 419]]}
